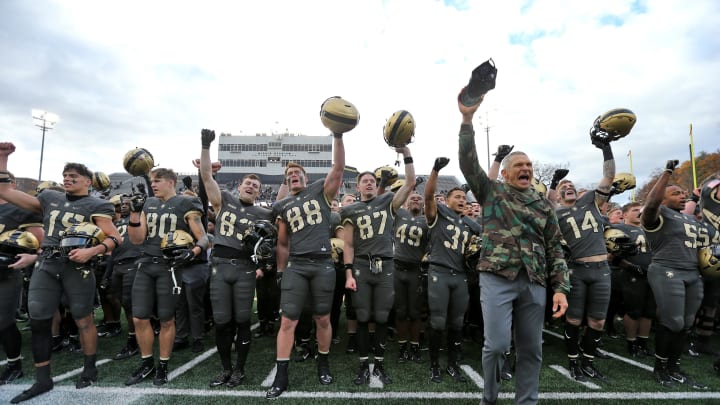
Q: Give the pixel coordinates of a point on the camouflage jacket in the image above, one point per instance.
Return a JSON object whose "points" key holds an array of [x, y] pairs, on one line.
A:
{"points": [[521, 230]]}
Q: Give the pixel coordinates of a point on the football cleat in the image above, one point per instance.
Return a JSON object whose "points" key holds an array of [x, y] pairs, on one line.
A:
{"points": [[237, 377], [140, 374], [222, 378]]}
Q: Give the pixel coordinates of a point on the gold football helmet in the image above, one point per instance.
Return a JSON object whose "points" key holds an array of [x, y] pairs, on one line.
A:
{"points": [[619, 243], [393, 175], [613, 124], [623, 182], [17, 241], [138, 162], [100, 181], [81, 235], [176, 239], [339, 115], [399, 129], [337, 246], [538, 186], [708, 262], [45, 185]]}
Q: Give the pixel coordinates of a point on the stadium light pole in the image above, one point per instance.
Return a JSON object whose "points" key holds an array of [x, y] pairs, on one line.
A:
{"points": [[46, 121]]}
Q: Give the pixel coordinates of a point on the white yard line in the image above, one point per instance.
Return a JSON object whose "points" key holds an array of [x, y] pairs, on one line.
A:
{"points": [[374, 381], [77, 371], [611, 354], [267, 382], [474, 376], [132, 393], [190, 364], [562, 370]]}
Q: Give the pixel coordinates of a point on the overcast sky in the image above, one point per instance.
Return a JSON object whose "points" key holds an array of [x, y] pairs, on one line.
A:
{"points": [[152, 74]]}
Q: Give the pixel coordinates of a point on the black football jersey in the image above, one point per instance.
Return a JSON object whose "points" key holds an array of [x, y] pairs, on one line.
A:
{"points": [[60, 213], [675, 240], [167, 216], [411, 236], [373, 222], [126, 249], [582, 227], [234, 219], [307, 216], [12, 217], [710, 206], [637, 234], [449, 235]]}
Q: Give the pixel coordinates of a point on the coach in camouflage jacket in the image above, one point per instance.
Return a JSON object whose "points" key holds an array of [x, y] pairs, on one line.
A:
{"points": [[520, 246]]}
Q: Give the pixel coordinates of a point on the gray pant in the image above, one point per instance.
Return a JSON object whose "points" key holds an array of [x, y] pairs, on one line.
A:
{"points": [[678, 294], [501, 300], [190, 310]]}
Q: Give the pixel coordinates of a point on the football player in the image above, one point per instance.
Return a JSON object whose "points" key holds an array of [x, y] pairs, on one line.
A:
{"points": [[410, 241], [155, 287], [232, 283], [447, 287], [582, 226], [60, 272], [304, 263], [11, 278], [368, 261], [673, 273]]}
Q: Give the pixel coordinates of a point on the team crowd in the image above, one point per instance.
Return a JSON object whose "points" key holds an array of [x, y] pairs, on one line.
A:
{"points": [[433, 269]]}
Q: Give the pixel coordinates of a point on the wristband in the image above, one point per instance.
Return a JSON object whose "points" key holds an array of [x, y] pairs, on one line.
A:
{"points": [[5, 180], [348, 266], [105, 247], [133, 224], [408, 160], [114, 240], [668, 171]]}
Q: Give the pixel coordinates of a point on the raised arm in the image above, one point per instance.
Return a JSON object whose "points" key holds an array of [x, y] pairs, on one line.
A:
{"points": [[8, 192], [651, 210], [431, 187], [333, 180], [606, 181], [502, 151], [475, 176], [404, 192], [212, 189]]}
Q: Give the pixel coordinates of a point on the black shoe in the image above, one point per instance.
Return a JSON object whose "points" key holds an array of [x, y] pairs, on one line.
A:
{"points": [[109, 330], [143, 372], [303, 352], [454, 371], [275, 391], [86, 379], [10, 374], [161, 376], [363, 375], [435, 375], [660, 372], [32, 392], [237, 377], [575, 371], [21, 316], [221, 378], [260, 331], [599, 354], [198, 346], [381, 374], [632, 347], [73, 345], [701, 347], [415, 354], [126, 352], [324, 375], [588, 368], [180, 344], [58, 343]]}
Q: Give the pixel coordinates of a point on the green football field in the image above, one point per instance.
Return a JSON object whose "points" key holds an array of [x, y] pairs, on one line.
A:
{"points": [[630, 379]]}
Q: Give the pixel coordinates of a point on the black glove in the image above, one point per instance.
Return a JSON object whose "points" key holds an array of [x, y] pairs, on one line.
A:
{"points": [[502, 151], [557, 176], [385, 177], [181, 257], [440, 163], [104, 283], [638, 270], [187, 181], [207, 136], [671, 165], [278, 279], [137, 201]]}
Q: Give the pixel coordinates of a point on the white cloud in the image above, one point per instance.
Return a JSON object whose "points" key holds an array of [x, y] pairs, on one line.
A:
{"points": [[152, 74]]}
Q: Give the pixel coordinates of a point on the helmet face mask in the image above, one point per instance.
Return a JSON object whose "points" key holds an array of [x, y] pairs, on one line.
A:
{"points": [[174, 241], [80, 236], [613, 125]]}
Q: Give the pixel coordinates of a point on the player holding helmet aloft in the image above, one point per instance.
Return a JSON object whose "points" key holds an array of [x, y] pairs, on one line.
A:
{"points": [[304, 264], [232, 283], [156, 282], [63, 271], [582, 226], [411, 238], [14, 222], [447, 280], [673, 273], [369, 266]]}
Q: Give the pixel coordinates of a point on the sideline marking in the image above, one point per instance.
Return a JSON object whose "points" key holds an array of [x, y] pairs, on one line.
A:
{"points": [[190, 364], [267, 382], [77, 371], [611, 354], [474, 376], [565, 372], [61, 391]]}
